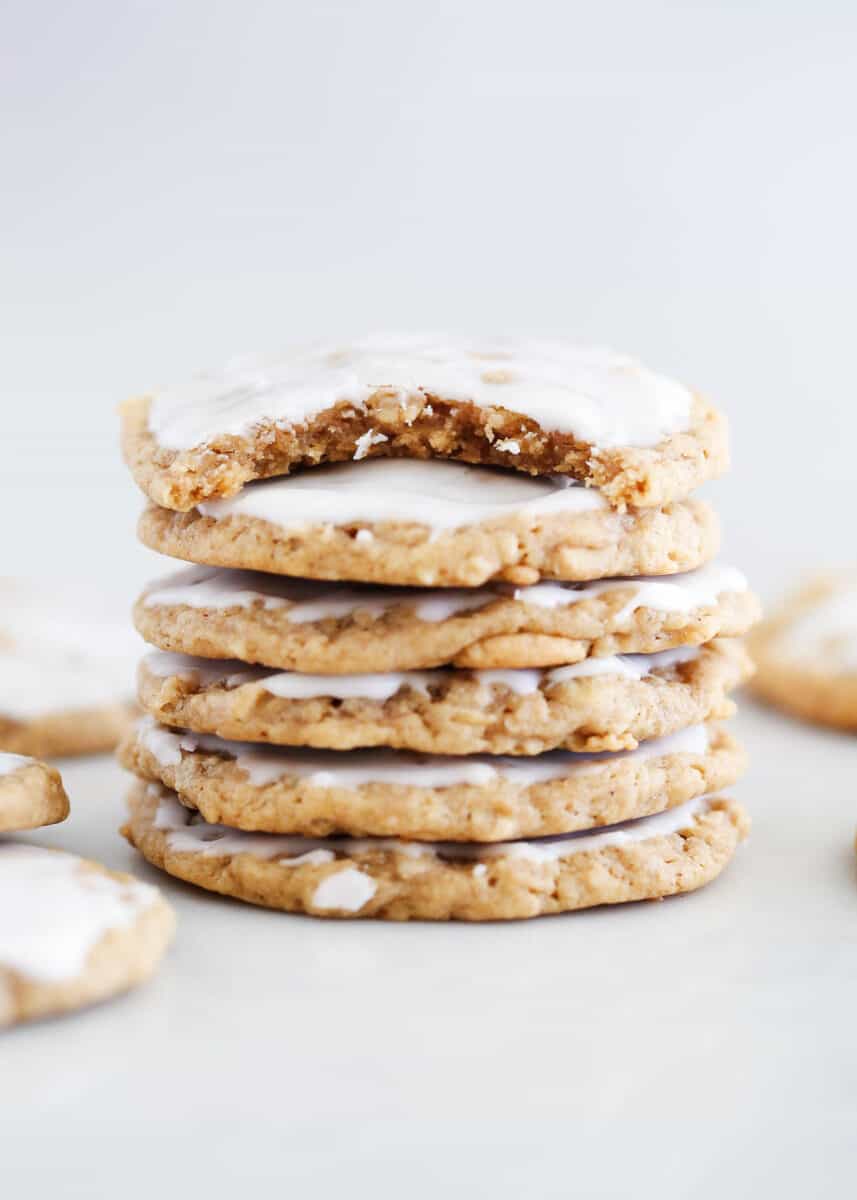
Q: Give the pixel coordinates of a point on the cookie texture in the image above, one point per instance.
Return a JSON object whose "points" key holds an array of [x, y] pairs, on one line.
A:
{"points": [[72, 933], [66, 670], [537, 407], [301, 625], [658, 856], [596, 705], [393, 794], [66, 734], [31, 794], [428, 524], [806, 652]]}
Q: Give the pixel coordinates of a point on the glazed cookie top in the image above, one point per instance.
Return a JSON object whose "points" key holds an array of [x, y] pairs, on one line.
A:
{"points": [[61, 652], [306, 601], [816, 628], [188, 834], [427, 523], [264, 765], [55, 908], [305, 625], [437, 495], [539, 406], [380, 686]]}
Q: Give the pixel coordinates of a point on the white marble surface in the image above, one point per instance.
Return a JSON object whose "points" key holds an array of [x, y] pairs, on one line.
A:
{"points": [[703, 1046]]}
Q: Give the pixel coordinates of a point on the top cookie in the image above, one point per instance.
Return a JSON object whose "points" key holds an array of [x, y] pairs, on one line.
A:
{"points": [[541, 407], [806, 652]]}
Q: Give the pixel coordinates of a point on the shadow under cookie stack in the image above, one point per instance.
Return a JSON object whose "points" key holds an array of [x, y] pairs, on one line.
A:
{"points": [[418, 670]]}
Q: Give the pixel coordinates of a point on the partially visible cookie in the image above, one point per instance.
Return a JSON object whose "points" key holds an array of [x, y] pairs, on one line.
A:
{"points": [[675, 851], [66, 671], [599, 704], [806, 651], [301, 625], [540, 407], [433, 524], [385, 793], [31, 794], [71, 932]]}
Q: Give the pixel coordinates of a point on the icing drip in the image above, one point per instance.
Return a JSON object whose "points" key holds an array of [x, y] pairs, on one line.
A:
{"points": [[600, 396], [264, 765], [54, 911], [438, 495], [294, 685], [348, 889], [186, 833], [306, 600]]}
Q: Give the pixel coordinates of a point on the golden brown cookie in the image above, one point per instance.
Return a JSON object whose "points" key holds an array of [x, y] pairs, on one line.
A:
{"points": [[433, 524], [675, 851], [598, 704], [66, 670], [806, 652], [71, 932], [302, 625], [539, 407], [31, 794], [388, 793]]}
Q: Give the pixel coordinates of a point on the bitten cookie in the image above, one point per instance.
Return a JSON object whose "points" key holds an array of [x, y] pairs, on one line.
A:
{"points": [[300, 625], [71, 932], [31, 794], [433, 524], [385, 793], [673, 852], [66, 671], [599, 704], [540, 407], [806, 652]]}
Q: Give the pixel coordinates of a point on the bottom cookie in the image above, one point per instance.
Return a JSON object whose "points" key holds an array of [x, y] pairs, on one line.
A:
{"points": [[71, 932], [676, 851], [31, 794]]}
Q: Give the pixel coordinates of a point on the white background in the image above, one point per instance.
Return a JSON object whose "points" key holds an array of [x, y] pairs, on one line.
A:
{"points": [[183, 181]]}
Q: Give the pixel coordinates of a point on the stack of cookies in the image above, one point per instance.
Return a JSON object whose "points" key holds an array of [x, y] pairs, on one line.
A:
{"points": [[453, 646]]}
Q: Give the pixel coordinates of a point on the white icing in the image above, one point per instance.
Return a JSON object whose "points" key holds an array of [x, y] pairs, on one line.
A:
{"points": [[10, 763], [312, 858], [206, 671], [348, 889], [627, 666], [264, 765], [61, 651], [294, 685], [602, 397], [34, 683], [309, 600], [187, 833], [673, 593], [54, 911], [438, 495], [825, 636], [364, 443]]}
